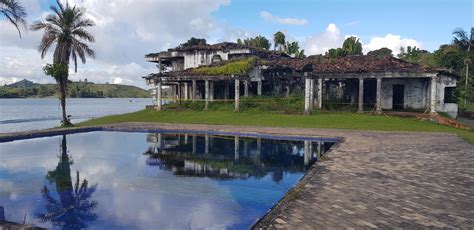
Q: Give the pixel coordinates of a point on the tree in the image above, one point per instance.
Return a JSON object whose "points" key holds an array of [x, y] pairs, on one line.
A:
{"points": [[258, 42], [73, 208], [464, 42], [193, 42], [279, 41], [293, 49], [65, 27], [382, 52], [14, 12], [240, 42], [352, 46]]}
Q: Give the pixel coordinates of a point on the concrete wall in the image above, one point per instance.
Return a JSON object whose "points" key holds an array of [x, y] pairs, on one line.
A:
{"points": [[415, 95], [199, 58], [449, 108]]}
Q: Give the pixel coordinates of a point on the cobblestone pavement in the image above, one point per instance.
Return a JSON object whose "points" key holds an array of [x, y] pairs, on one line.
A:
{"points": [[373, 180]]}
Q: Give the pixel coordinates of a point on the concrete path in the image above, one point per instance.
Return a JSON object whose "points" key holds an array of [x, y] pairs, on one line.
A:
{"points": [[373, 180]]}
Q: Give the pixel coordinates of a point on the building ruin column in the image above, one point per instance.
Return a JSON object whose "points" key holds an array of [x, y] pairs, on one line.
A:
{"points": [[307, 96], [194, 90], [158, 96], [311, 95], [236, 148], [186, 91], [320, 93], [307, 153], [361, 96], [237, 95], [259, 87], [246, 88], [433, 96], [211, 91], [206, 144], [378, 104], [206, 94]]}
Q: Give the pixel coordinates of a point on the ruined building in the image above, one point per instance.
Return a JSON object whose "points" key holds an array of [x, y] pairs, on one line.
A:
{"points": [[230, 71]]}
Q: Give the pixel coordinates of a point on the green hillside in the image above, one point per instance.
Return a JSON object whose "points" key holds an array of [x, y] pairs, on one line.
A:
{"points": [[27, 89]]}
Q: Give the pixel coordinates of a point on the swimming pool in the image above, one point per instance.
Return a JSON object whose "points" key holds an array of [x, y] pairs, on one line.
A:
{"points": [[151, 180]]}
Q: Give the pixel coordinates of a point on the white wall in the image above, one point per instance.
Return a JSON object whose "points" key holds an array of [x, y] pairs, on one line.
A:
{"points": [[449, 108], [415, 95]]}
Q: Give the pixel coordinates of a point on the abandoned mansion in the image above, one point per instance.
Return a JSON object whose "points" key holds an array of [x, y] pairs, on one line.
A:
{"points": [[229, 71]]}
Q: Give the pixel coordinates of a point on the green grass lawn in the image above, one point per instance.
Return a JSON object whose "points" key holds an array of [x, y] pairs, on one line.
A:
{"points": [[257, 118]]}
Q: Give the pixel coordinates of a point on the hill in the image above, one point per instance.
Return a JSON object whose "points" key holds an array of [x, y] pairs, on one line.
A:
{"points": [[29, 89]]}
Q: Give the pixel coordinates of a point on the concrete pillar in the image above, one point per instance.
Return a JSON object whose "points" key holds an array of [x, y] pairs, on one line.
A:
{"points": [[206, 144], [159, 141], [236, 148], [178, 90], [185, 138], [307, 152], [361, 96], [378, 104], [433, 96], [320, 93], [246, 148], [206, 94], [211, 93], [237, 95], [311, 95], [194, 89], [159, 65], [186, 91], [246, 88], [194, 143], [307, 96], [259, 87], [158, 96]]}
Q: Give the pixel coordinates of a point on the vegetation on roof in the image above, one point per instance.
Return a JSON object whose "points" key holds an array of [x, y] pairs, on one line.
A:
{"points": [[238, 66]]}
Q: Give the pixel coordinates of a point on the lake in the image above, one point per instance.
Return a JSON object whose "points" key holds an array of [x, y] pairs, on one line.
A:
{"points": [[32, 114], [155, 180]]}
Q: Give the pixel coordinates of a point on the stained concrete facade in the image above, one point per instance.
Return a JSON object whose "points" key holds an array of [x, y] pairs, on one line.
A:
{"points": [[378, 83]]}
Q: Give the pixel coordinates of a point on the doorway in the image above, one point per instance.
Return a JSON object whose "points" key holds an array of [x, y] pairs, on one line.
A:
{"points": [[398, 97]]}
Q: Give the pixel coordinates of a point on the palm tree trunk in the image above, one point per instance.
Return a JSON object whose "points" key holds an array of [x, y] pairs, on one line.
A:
{"points": [[62, 98]]}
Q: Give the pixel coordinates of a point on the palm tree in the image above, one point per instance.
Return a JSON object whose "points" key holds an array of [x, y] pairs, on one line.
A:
{"points": [[66, 28], [14, 12], [352, 46], [73, 208], [279, 40], [464, 42]]}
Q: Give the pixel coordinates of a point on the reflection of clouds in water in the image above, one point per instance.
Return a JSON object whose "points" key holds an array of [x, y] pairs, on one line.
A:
{"points": [[128, 194], [25, 155]]}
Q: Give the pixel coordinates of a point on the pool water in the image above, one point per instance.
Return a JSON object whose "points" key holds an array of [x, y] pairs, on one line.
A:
{"points": [[135, 180]]}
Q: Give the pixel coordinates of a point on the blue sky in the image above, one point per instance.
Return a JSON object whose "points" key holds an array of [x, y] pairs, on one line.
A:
{"points": [[126, 30], [428, 21]]}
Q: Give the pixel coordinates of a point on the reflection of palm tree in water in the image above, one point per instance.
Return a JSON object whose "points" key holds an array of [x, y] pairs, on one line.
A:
{"points": [[73, 209]]}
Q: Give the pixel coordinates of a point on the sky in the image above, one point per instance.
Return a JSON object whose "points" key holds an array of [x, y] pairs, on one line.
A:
{"points": [[126, 30]]}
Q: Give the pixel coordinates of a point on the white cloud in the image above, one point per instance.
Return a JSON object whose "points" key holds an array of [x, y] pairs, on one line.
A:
{"points": [[333, 38], [322, 42], [391, 41], [353, 23], [125, 31], [285, 21]]}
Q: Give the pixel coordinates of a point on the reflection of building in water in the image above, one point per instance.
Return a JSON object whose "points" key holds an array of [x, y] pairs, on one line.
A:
{"points": [[228, 157]]}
